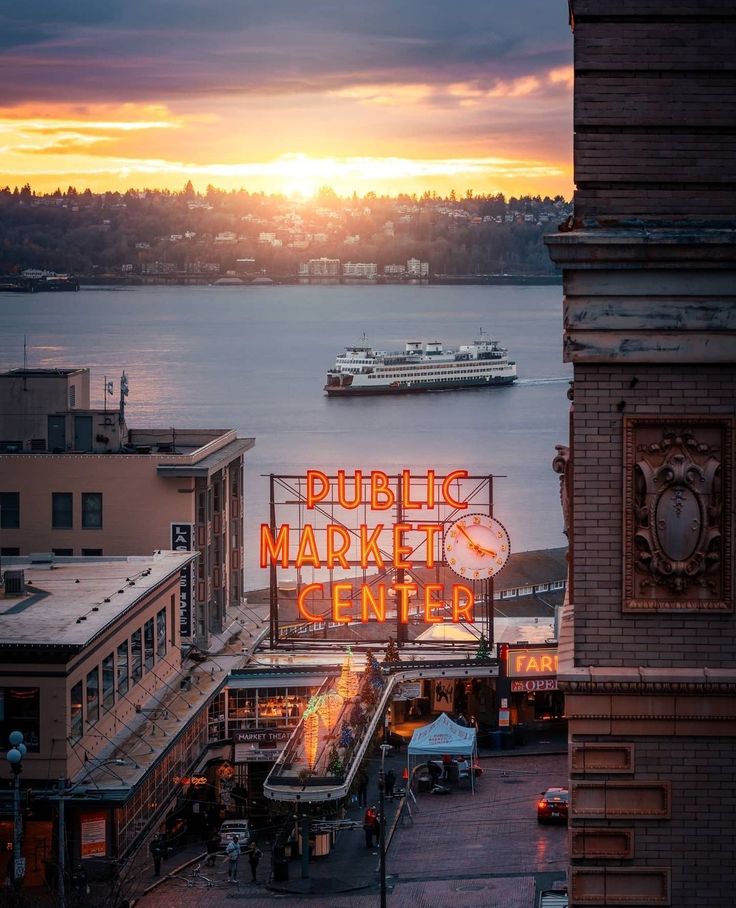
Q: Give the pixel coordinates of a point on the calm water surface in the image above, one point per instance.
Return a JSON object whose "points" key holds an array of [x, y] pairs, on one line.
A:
{"points": [[255, 358]]}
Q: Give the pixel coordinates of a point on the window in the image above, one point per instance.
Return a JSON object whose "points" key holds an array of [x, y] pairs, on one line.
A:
{"points": [[62, 510], [75, 711], [66, 552], [136, 645], [9, 550], [557, 585], [10, 510], [525, 591], [161, 633], [108, 682], [93, 696], [92, 510], [72, 396], [123, 669], [92, 553], [20, 709], [148, 644]]}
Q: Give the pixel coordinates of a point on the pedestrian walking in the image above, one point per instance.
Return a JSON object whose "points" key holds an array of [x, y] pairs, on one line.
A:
{"points": [[370, 821], [158, 850], [362, 788], [461, 720], [232, 855], [390, 782], [254, 856]]}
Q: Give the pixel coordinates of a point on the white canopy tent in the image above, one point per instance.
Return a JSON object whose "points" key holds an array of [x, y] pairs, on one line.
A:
{"points": [[443, 736]]}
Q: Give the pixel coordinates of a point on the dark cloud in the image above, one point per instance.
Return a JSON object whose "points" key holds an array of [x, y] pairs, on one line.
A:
{"points": [[115, 51]]}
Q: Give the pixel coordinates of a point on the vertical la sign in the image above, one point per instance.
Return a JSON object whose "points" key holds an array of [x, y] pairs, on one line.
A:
{"points": [[182, 540]]}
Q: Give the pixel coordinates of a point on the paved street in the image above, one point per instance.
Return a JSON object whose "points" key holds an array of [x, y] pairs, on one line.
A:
{"points": [[459, 850]]}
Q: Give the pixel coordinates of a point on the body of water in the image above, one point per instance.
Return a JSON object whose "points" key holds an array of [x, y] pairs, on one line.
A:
{"points": [[255, 359]]}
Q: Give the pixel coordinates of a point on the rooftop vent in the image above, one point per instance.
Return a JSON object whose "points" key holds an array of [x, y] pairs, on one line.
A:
{"points": [[15, 583]]}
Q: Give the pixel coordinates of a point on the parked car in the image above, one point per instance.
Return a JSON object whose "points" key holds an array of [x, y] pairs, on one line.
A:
{"points": [[240, 828], [552, 806]]}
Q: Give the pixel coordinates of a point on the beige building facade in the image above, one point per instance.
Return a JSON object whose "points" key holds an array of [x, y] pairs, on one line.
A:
{"points": [[77, 481], [647, 645], [90, 651]]}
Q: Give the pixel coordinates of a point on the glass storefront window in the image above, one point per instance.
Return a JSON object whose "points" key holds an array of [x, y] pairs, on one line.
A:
{"points": [[93, 695], [108, 682], [148, 644], [136, 644], [161, 633], [76, 711], [20, 710], [123, 669]]}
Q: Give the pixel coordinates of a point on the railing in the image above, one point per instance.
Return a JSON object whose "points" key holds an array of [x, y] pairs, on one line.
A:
{"points": [[291, 779]]}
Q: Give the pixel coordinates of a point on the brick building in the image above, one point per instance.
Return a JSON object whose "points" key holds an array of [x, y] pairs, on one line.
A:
{"points": [[649, 634]]}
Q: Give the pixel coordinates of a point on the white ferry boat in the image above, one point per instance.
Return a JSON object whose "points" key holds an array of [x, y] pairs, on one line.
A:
{"points": [[420, 367]]}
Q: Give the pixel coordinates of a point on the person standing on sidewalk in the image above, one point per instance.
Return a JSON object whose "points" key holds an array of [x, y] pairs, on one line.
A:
{"points": [[232, 855], [370, 821], [158, 850], [254, 856], [390, 782]]}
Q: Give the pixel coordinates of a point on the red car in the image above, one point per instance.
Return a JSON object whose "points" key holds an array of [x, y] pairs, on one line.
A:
{"points": [[552, 806]]}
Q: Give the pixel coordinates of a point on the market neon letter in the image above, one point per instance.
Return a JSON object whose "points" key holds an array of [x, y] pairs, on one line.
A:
{"points": [[357, 490], [431, 530], [274, 550], [339, 604], [315, 495], [307, 553], [447, 495], [402, 599], [382, 495], [369, 604], [399, 548], [460, 611], [337, 555], [430, 604], [303, 593], [369, 546], [406, 501]]}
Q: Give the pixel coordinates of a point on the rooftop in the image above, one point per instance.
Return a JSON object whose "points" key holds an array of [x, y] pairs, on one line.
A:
{"points": [[69, 601], [19, 373]]}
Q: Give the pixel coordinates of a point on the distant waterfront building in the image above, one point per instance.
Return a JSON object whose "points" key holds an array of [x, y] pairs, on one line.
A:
{"points": [[75, 480], [415, 268], [365, 270], [321, 267], [394, 270], [158, 268]]}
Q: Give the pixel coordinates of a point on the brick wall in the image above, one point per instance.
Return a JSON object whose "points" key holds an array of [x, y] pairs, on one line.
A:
{"points": [[699, 840], [603, 634], [654, 115]]}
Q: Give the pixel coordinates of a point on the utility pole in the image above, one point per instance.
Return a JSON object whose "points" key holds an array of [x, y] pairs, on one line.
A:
{"points": [[62, 845]]}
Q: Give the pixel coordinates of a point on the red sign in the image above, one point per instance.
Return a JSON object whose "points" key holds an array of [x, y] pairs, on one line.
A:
{"points": [[533, 684]]}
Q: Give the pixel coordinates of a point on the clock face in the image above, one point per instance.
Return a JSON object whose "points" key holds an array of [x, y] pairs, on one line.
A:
{"points": [[476, 546]]}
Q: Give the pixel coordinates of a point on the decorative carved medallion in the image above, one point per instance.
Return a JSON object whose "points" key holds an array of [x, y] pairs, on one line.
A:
{"points": [[677, 522]]}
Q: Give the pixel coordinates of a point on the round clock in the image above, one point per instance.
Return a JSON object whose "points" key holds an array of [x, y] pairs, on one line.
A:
{"points": [[476, 546]]}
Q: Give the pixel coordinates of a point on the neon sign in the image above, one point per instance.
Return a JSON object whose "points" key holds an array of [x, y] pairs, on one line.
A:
{"points": [[324, 542]]}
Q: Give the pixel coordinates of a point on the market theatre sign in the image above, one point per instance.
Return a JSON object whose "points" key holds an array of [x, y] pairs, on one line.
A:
{"points": [[259, 744], [474, 546], [532, 668]]}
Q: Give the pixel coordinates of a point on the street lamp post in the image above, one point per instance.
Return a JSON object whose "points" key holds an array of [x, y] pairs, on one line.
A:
{"points": [[14, 756], [382, 824]]}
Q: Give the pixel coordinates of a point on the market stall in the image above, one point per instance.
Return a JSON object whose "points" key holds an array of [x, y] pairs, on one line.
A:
{"points": [[440, 738]]}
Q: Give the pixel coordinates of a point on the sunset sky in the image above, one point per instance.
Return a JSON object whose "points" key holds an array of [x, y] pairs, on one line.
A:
{"points": [[288, 95]]}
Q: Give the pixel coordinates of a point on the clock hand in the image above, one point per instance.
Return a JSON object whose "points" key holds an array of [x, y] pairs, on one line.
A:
{"points": [[481, 549]]}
